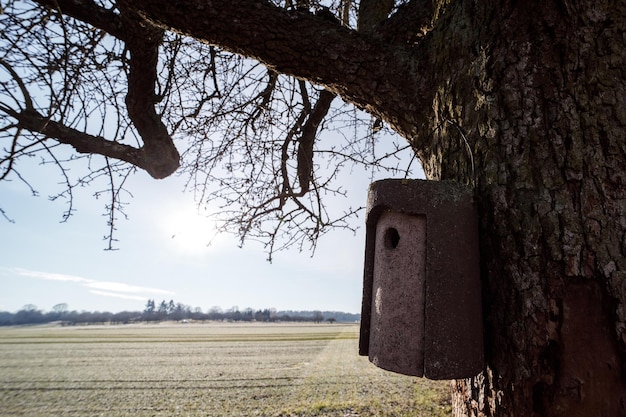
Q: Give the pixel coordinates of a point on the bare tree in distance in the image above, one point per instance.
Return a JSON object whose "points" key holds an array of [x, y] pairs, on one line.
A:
{"points": [[523, 101]]}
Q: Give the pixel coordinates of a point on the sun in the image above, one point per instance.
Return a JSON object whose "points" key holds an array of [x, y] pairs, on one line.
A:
{"points": [[190, 232]]}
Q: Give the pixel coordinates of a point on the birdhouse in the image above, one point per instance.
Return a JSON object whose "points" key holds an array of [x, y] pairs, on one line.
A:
{"points": [[421, 312]]}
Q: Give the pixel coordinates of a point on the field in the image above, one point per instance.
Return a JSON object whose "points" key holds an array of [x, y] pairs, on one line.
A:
{"points": [[206, 370]]}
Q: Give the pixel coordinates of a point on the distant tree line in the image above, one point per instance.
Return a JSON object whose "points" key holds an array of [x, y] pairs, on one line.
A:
{"points": [[176, 311], [167, 311], [30, 314]]}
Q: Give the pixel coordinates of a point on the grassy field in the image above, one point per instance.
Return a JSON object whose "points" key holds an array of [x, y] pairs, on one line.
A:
{"points": [[207, 370]]}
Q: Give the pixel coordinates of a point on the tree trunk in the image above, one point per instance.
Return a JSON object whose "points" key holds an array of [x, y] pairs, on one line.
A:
{"points": [[534, 117]]}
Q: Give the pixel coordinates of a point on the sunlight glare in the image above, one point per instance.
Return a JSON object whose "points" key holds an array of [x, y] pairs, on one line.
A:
{"points": [[190, 231]]}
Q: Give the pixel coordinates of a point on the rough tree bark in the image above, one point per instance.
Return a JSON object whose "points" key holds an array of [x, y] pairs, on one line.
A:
{"points": [[540, 99], [525, 101]]}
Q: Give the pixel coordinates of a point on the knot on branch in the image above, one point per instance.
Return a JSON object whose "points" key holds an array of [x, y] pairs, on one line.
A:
{"points": [[160, 161]]}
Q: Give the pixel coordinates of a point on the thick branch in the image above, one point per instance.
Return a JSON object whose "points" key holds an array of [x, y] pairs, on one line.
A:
{"points": [[82, 142], [307, 139], [375, 76], [409, 23], [89, 12], [372, 13], [159, 152]]}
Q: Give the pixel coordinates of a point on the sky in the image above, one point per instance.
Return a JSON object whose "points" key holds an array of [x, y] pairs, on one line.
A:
{"points": [[44, 262]]}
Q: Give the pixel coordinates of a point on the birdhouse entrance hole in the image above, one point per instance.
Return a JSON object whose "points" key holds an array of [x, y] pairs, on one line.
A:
{"points": [[392, 238]]}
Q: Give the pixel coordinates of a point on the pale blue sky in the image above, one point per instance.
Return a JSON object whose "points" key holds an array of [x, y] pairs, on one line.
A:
{"points": [[45, 262]]}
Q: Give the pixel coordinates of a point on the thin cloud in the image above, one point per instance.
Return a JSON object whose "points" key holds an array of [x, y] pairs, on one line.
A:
{"points": [[52, 276], [104, 288], [116, 295], [123, 288]]}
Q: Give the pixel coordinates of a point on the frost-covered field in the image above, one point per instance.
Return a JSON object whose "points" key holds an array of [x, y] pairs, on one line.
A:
{"points": [[202, 370]]}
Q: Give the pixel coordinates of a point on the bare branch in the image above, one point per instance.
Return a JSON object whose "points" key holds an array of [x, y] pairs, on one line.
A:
{"points": [[115, 205], [6, 216], [88, 11], [69, 190], [307, 139], [12, 155], [82, 142], [28, 101]]}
